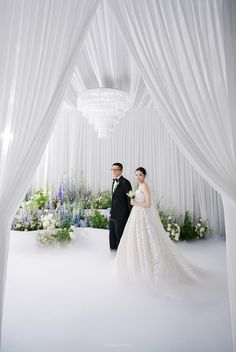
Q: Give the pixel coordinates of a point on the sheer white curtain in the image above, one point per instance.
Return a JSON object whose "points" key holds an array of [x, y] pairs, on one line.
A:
{"points": [[181, 48], [74, 147], [39, 41], [105, 61]]}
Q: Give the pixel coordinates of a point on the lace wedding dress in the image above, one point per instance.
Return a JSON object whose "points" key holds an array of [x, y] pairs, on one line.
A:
{"points": [[146, 251]]}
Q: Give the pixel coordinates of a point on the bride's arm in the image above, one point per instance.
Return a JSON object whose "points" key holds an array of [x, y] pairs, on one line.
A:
{"points": [[147, 196]]}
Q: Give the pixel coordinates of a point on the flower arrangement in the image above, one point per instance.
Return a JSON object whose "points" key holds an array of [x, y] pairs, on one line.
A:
{"points": [[201, 228], [40, 198], [102, 200], [47, 239], [98, 220], [70, 203], [131, 194], [188, 229], [55, 237], [48, 221], [52, 236], [171, 226], [28, 217]]}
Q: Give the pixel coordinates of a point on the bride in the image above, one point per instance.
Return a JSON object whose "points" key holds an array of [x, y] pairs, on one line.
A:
{"points": [[145, 249]]}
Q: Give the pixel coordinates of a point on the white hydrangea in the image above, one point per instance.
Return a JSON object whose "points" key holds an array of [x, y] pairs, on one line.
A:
{"points": [[177, 236], [48, 221]]}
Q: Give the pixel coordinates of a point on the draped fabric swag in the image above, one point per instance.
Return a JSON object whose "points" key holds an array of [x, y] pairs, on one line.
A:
{"points": [[186, 52], [105, 61], [39, 41]]}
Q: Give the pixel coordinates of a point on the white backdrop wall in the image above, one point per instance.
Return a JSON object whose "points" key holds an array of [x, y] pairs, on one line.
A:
{"points": [[139, 140]]}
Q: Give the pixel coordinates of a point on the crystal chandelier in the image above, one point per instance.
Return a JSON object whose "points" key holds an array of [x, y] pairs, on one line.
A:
{"points": [[103, 107]]}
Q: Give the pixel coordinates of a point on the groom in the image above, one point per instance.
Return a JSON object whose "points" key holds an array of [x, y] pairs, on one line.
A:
{"points": [[120, 205]]}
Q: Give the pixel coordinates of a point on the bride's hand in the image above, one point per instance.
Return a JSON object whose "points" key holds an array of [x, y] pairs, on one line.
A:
{"points": [[132, 202]]}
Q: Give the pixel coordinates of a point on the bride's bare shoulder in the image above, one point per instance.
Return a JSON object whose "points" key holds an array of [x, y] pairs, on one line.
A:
{"points": [[144, 187]]}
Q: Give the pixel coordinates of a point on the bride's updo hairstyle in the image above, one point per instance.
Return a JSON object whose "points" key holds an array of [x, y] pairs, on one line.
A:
{"points": [[141, 169]]}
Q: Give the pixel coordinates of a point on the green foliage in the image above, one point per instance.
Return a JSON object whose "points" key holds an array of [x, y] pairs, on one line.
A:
{"points": [[170, 225], [41, 198], [187, 229], [164, 219], [85, 200], [97, 220], [63, 234], [102, 201], [73, 204], [49, 238], [201, 228]]}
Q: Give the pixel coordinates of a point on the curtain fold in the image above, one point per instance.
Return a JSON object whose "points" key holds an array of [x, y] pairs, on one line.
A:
{"points": [[185, 76], [105, 61], [183, 51], [40, 41]]}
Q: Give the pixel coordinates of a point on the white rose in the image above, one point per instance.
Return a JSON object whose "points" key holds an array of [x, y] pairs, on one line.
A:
{"points": [[45, 224]]}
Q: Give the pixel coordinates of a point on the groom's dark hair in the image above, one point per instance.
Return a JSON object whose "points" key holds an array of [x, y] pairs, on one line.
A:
{"points": [[119, 165]]}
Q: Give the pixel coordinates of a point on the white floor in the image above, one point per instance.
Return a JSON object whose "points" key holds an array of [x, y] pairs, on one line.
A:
{"points": [[69, 299]]}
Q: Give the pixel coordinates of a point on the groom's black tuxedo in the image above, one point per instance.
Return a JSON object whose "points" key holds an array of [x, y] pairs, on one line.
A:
{"points": [[120, 210]]}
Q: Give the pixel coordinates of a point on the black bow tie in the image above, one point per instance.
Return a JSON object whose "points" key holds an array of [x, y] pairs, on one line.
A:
{"points": [[115, 179]]}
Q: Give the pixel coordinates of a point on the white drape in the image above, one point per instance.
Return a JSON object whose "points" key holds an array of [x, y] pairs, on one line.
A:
{"points": [[139, 140], [39, 41], [181, 50], [105, 61]]}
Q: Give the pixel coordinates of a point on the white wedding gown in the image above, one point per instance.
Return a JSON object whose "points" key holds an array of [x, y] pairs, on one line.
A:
{"points": [[146, 251]]}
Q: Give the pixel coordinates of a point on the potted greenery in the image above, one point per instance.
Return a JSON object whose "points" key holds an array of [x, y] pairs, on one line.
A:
{"points": [[97, 220]]}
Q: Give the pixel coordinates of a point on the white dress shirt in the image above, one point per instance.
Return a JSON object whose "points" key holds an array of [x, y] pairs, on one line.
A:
{"points": [[115, 184]]}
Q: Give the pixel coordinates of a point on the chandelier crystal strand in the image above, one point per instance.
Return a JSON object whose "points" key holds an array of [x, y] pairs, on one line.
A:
{"points": [[103, 107]]}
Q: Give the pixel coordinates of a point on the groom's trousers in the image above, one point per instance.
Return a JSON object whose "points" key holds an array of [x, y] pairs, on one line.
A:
{"points": [[116, 228]]}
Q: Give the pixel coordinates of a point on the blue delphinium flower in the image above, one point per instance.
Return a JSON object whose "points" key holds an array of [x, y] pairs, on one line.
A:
{"points": [[72, 195], [75, 214], [60, 192]]}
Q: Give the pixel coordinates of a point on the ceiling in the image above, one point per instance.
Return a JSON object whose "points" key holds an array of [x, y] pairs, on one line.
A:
{"points": [[105, 61]]}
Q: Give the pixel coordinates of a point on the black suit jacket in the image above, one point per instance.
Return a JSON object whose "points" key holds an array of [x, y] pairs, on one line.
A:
{"points": [[120, 205]]}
